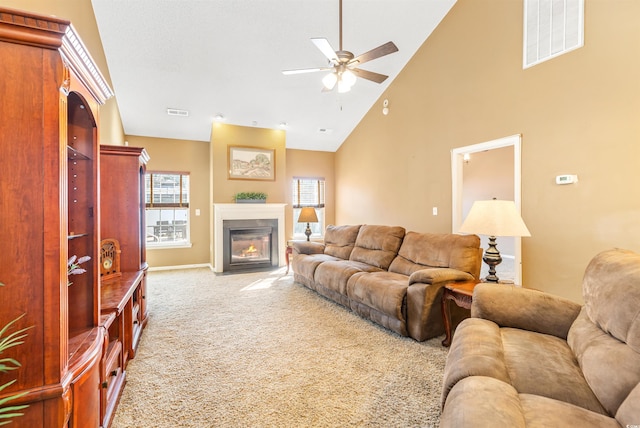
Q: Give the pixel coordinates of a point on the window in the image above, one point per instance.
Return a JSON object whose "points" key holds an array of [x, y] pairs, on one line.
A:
{"points": [[308, 192], [167, 212]]}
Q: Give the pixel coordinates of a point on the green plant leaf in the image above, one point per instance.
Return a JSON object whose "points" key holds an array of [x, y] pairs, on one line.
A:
{"points": [[7, 364], [250, 195]]}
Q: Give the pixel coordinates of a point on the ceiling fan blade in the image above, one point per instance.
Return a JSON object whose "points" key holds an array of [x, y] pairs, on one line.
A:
{"points": [[369, 75], [381, 50], [326, 49], [305, 70]]}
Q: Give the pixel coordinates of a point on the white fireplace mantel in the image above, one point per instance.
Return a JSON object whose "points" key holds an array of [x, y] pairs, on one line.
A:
{"points": [[222, 212]]}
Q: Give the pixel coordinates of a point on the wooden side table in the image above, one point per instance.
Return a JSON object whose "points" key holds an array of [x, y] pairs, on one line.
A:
{"points": [[462, 294]]}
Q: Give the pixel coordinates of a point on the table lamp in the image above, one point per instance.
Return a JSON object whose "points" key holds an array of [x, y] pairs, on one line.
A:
{"points": [[494, 218], [308, 215]]}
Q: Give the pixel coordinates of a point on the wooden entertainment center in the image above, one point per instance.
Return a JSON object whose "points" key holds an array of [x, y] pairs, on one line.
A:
{"points": [[62, 194]]}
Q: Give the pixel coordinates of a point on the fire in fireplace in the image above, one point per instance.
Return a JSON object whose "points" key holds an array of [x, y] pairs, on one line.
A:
{"points": [[250, 244]]}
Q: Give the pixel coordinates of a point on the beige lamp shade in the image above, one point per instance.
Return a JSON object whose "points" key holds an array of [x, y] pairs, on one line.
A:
{"points": [[494, 218], [308, 215]]}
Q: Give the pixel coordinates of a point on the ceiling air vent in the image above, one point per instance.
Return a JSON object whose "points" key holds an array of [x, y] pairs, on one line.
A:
{"points": [[551, 28], [177, 112]]}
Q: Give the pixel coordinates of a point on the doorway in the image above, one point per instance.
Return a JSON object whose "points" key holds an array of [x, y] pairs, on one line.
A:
{"points": [[496, 173]]}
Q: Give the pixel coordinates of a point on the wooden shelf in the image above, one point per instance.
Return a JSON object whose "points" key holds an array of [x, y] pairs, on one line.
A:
{"points": [[49, 80], [116, 293], [73, 154], [78, 235], [122, 218]]}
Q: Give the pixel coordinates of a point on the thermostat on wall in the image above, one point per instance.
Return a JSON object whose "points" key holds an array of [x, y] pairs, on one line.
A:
{"points": [[566, 179]]}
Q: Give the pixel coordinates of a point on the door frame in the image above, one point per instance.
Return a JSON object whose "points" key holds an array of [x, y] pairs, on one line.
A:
{"points": [[457, 162]]}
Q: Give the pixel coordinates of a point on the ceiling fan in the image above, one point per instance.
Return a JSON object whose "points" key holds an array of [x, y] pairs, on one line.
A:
{"points": [[343, 64]]}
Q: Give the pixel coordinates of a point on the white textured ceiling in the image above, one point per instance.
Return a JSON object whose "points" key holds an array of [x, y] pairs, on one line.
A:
{"points": [[226, 56]]}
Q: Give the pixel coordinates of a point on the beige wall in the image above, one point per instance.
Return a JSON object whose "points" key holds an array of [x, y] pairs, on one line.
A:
{"points": [[222, 188], [80, 13], [578, 114], [223, 136], [182, 156], [305, 163]]}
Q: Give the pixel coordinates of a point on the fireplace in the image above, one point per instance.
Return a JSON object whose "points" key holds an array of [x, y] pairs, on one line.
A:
{"points": [[250, 244], [261, 215]]}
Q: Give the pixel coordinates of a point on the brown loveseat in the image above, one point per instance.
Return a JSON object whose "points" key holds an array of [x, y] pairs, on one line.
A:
{"points": [[529, 359], [387, 275]]}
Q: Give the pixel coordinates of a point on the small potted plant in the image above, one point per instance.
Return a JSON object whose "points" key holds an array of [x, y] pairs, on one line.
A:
{"points": [[250, 198]]}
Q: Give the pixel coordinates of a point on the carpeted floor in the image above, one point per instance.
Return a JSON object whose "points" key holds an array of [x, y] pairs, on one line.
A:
{"points": [[258, 350]]}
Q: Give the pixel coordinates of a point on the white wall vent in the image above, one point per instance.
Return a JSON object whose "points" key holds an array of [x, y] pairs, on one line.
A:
{"points": [[177, 112], [551, 28]]}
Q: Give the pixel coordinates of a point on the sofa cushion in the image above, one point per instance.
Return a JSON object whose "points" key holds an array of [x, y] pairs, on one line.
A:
{"points": [[305, 264], [480, 401], [382, 291], [611, 290], [514, 356], [420, 250], [339, 240], [611, 367], [629, 411], [544, 365], [483, 402], [334, 274], [606, 335], [377, 245]]}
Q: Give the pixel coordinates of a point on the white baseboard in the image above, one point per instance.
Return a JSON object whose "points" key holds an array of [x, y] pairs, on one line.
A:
{"points": [[201, 265]]}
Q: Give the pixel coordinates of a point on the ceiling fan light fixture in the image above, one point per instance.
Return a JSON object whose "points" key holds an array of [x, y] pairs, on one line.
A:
{"points": [[343, 86], [329, 81], [348, 77]]}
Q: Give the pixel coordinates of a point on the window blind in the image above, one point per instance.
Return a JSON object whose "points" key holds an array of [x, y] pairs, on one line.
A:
{"points": [[308, 192]]}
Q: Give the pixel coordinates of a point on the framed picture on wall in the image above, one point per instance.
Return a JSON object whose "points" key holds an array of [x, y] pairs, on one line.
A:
{"points": [[251, 163]]}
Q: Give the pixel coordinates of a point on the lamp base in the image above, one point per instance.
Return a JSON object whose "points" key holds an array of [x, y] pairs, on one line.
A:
{"points": [[492, 258], [308, 232]]}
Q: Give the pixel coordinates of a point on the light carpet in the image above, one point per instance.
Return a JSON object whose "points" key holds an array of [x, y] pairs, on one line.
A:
{"points": [[258, 350]]}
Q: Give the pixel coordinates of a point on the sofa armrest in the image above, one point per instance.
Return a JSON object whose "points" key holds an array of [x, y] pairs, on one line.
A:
{"points": [[434, 275], [424, 294], [526, 309], [307, 247]]}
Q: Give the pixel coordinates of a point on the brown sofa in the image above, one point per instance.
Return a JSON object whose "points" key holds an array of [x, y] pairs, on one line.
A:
{"points": [[530, 359], [387, 275]]}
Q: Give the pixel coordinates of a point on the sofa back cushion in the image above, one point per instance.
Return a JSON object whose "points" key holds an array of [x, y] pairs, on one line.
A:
{"points": [[377, 245], [438, 250], [339, 240], [605, 338], [611, 292]]}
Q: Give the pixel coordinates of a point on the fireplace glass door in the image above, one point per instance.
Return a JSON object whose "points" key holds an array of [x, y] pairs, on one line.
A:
{"points": [[250, 245]]}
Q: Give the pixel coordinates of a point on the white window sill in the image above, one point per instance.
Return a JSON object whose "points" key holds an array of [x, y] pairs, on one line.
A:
{"points": [[318, 238], [168, 246]]}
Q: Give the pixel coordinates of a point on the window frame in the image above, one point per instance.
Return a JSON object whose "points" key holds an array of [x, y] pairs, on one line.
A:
{"points": [[318, 204], [181, 205]]}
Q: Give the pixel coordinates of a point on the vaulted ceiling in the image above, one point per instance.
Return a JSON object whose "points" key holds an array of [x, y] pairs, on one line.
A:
{"points": [[225, 57]]}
